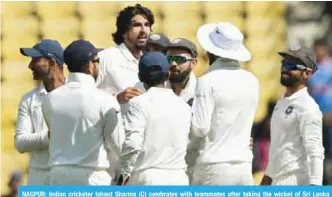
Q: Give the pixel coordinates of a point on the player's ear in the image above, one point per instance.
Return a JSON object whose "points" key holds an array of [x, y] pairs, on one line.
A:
{"points": [[52, 63], [307, 74], [193, 63]]}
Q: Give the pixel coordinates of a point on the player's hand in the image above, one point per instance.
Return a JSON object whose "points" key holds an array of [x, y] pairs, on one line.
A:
{"points": [[127, 94]]}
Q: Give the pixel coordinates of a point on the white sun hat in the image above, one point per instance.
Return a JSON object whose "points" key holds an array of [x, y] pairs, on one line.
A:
{"points": [[223, 39]]}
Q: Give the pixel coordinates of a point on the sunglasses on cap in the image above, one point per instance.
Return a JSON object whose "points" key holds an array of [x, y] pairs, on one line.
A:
{"points": [[177, 59], [291, 66]]}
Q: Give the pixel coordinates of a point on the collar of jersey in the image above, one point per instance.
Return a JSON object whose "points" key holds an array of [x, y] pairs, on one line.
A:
{"points": [[42, 89], [125, 51], [297, 94], [82, 78]]}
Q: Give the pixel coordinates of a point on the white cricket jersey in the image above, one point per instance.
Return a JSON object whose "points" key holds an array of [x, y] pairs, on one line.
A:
{"points": [[118, 71], [296, 138], [157, 127], [85, 124], [31, 130], [225, 102], [189, 90]]}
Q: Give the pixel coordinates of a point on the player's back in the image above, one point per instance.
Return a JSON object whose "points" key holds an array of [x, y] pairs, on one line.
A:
{"points": [[77, 124], [166, 132], [235, 93]]}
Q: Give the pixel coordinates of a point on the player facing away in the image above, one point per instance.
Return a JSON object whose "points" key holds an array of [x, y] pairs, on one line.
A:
{"points": [[223, 110], [296, 151], [31, 131], [157, 127], [85, 123]]}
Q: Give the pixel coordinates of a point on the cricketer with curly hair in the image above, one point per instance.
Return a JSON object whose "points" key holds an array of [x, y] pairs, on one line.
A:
{"points": [[118, 73]]}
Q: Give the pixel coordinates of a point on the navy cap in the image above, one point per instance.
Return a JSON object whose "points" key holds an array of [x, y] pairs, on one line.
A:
{"points": [[47, 48], [152, 59], [79, 52]]}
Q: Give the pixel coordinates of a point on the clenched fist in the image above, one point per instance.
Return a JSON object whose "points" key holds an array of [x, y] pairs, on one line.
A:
{"points": [[127, 94]]}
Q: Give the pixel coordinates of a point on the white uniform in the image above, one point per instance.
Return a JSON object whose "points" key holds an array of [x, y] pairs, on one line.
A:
{"points": [[157, 127], [118, 71], [192, 150], [85, 126], [296, 151], [31, 135], [224, 107]]}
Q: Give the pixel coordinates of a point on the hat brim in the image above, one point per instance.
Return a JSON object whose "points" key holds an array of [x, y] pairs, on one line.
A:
{"points": [[203, 36], [30, 52], [289, 56], [179, 46]]}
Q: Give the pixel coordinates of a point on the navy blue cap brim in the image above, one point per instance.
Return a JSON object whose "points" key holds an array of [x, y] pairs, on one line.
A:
{"points": [[30, 52]]}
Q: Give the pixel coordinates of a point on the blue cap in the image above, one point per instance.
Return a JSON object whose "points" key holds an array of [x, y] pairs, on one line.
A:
{"points": [[152, 59], [79, 52], [47, 48]]}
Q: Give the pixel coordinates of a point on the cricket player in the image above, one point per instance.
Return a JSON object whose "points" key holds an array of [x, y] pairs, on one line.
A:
{"points": [[85, 122], [182, 58], [118, 73], [156, 42], [31, 131], [157, 126], [224, 107], [296, 151]]}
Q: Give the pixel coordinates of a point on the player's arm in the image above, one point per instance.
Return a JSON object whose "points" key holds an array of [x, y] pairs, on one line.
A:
{"points": [[202, 110], [266, 180], [135, 122], [114, 131], [310, 127], [25, 138]]}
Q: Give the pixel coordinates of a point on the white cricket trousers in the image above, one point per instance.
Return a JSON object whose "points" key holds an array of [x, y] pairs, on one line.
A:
{"points": [[75, 175], [223, 174], [38, 176], [159, 177], [292, 179]]}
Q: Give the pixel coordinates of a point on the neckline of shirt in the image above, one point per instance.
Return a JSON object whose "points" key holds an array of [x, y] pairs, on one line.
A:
{"points": [[296, 94], [81, 78], [126, 52], [42, 89]]}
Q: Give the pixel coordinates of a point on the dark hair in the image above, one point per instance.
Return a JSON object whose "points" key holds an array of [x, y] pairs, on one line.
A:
{"points": [[212, 57], [123, 21], [75, 67]]}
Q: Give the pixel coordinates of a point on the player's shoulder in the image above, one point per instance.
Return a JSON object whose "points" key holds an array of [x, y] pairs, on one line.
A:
{"points": [[30, 95], [104, 96], [140, 100], [306, 104], [249, 75], [179, 103], [109, 52]]}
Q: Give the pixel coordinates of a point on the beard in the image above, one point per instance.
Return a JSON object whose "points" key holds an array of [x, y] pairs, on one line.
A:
{"points": [[179, 77], [141, 45], [289, 80]]}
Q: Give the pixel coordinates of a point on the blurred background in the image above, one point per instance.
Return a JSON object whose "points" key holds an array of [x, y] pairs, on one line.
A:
{"points": [[268, 27]]}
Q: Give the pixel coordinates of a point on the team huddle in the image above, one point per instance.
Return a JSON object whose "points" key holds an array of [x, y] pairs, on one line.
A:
{"points": [[135, 114]]}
